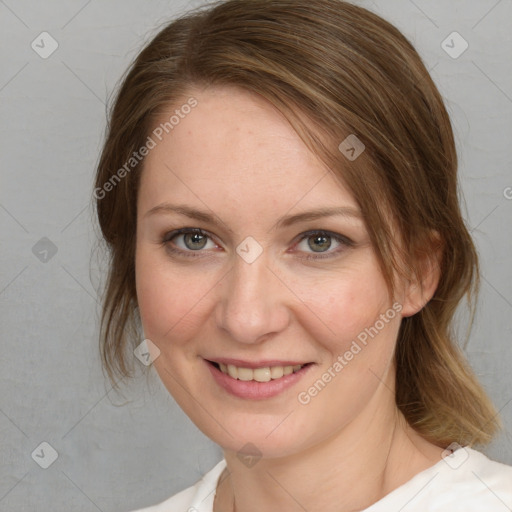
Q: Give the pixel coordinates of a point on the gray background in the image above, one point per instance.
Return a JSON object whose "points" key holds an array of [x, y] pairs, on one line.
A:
{"points": [[120, 452]]}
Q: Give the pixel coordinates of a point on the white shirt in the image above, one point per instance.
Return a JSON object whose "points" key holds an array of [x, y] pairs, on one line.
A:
{"points": [[465, 481]]}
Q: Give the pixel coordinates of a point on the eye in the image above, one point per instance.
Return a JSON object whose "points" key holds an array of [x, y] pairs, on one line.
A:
{"points": [[319, 243], [188, 240]]}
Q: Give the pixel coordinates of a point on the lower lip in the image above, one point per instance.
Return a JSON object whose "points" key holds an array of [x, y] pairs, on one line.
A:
{"points": [[253, 390]]}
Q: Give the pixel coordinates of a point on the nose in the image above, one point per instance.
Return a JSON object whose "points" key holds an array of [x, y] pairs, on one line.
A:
{"points": [[252, 304]]}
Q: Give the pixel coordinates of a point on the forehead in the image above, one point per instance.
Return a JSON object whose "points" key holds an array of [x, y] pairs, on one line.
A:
{"points": [[234, 149]]}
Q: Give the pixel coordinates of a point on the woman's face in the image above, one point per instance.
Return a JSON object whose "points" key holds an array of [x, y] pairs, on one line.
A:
{"points": [[263, 283]]}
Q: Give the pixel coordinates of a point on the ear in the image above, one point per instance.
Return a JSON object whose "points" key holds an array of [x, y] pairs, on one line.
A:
{"points": [[420, 288]]}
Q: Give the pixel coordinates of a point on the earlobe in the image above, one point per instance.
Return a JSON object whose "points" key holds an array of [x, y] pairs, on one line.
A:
{"points": [[421, 288]]}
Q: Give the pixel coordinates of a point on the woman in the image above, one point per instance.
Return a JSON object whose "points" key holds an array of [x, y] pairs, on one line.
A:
{"points": [[278, 191]]}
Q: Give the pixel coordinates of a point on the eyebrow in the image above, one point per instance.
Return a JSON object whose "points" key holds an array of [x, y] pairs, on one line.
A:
{"points": [[193, 213]]}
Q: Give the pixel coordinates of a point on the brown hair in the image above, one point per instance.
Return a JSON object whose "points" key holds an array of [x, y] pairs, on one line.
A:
{"points": [[333, 69]]}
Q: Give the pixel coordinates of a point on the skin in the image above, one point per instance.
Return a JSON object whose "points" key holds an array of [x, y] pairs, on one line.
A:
{"points": [[236, 157]]}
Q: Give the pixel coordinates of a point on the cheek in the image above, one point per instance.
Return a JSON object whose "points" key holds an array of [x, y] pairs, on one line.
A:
{"points": [[168, 300], [342, 306], [356, 325]]}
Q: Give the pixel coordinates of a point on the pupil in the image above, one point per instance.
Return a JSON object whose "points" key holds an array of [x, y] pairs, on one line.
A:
{"points": [[197, 241], [321, 243]]}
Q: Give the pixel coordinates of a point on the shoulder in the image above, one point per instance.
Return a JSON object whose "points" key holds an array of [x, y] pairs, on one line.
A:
{"points": [[471, 469], [196, 498], [465, 481]]}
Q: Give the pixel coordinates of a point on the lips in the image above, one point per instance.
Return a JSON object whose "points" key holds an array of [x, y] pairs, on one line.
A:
{"points": [[256, 380], [260, 374], [259, 371], [240, 363]]}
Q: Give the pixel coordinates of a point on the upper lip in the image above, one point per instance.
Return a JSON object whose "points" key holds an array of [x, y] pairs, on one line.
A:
{"points": [[256, 364]]}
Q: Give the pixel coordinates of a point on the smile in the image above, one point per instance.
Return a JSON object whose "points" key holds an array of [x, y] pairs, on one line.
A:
{"points": [[264, 374], [259, 382]]}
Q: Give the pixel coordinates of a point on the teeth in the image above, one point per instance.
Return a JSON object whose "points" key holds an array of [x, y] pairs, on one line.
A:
{"points": [[276, 372], [243, 373], [258, 374]]}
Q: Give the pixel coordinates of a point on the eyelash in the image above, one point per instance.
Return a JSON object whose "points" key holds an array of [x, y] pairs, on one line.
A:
{"points": [[343, 240]]}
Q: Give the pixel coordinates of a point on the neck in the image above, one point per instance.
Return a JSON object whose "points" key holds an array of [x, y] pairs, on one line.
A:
{"points": [[354, 468]]}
